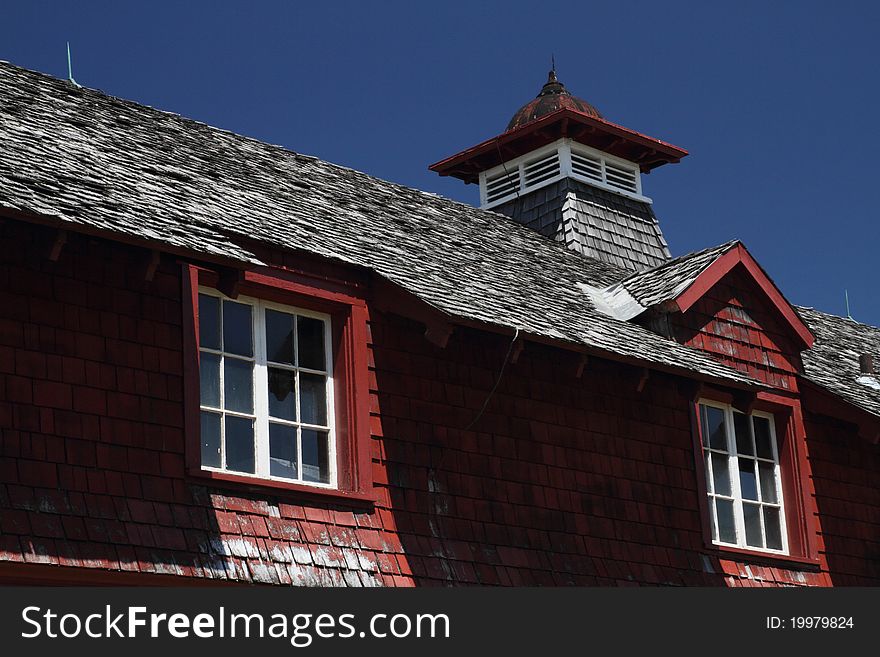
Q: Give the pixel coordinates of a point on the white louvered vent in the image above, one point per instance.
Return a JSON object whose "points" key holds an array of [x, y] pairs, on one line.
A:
{"points": [[621, 178], [587, 166], [560, 159], [502, 185], [541, 169]]}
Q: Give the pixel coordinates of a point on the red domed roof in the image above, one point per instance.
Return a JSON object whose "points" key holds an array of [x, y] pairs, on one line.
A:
{"points": [[554, 96]]}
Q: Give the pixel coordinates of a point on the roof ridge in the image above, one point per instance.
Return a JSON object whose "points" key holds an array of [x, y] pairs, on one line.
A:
{"points": [[83, 89], [465, 261], [721, 248], [524, 230], [851, 320]]}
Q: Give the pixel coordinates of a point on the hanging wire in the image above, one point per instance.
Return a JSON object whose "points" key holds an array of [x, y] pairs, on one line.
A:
{"points": [[497, 382]]}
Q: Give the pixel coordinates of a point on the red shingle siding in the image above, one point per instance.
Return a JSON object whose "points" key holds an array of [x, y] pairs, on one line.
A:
{"points": [[735, 323], [563, 480], [848, 500]]}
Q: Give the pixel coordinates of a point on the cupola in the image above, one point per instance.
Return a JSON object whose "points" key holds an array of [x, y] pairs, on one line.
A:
{"points": [[564, 170]]}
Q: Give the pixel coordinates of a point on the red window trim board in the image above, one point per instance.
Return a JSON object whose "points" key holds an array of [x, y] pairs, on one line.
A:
{"points": [[349, 317], [801, 517]]}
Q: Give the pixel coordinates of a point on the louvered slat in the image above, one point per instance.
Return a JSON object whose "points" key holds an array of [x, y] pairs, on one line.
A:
{"points": [[542, 169], [502, 185]]}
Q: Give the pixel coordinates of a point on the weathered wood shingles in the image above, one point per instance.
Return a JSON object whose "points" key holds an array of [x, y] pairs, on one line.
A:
{"points": [[87, 158], [833, 361]]}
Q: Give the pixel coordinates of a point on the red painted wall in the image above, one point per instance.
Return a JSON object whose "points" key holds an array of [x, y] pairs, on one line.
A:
{"points": [[735, 323], [844, 472], [562, 481]]}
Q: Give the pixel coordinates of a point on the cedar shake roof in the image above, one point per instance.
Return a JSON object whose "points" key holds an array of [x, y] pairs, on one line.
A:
{"points": [[85, 158], [833, 361], [592, 221], [666, 281]]}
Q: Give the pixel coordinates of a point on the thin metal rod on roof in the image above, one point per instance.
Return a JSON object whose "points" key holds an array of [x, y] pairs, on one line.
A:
{"points": [[552, 62], [846, 297], [70, 68]]}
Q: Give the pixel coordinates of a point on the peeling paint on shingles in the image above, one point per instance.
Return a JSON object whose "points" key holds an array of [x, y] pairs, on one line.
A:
{"points": [[333, 577], [344, 538], [352, 579], [324, 556], [351, 559], [304, 575], [301, 554], [366, 562], [262, 572], [281, 552], [370, 580]]}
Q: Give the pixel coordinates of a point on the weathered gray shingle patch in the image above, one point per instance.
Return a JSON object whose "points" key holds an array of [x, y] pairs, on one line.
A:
{"points": [[595, 222], [91, 159], [666, 282], [833, 360]]}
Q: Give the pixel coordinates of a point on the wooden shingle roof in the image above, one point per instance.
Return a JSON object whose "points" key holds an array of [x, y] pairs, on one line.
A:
{"points": [[89, 159]]}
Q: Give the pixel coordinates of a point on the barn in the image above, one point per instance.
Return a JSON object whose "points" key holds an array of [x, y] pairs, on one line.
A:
{"points": [[224, 362]]}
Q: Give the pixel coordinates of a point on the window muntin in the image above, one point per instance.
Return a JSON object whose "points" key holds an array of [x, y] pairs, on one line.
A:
{"points": [[266, 390], [743, 482]]}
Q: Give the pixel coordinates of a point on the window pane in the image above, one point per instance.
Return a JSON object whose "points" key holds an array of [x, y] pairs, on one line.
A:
{"points": [[210, 439], [752, 521], [721, 474], [237, 338], [743, 435], [282, 451], [209, 322], [767, 472], [706, 457], [773, 528], [282, 397], [313, 398], [748, 483], [279, 337], [239, 444], [310, 333], [762, 437], [713, 428], [315, 457], [238, 385], [726, 525], [209, 374]]}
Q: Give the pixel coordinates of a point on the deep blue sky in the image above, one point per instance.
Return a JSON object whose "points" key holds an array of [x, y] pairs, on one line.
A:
{"points": [[776, 102]]}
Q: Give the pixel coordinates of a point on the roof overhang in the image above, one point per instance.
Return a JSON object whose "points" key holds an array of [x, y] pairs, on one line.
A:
{"points": [[647, 152], [820, 399], [724, 264]]}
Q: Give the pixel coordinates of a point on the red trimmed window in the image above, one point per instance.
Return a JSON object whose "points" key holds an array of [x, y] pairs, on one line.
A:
{"points": [[276, 388], [743, 478], [266, 390], [753, 472]]}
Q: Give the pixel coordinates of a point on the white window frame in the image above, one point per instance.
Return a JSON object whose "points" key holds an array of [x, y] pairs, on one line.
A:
{"points": [[261, 394], [563, 147], [735, 489]]}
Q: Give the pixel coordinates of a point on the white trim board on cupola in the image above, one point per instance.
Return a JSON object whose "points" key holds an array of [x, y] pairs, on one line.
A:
{"points": [[563, 158]]}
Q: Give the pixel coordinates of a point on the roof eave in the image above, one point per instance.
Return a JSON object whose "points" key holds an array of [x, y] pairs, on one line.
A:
{"points": [[648, 152]]}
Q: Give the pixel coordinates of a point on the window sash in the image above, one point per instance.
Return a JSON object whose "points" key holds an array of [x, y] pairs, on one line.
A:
{"points": [[735, 496], [260, 383]]}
